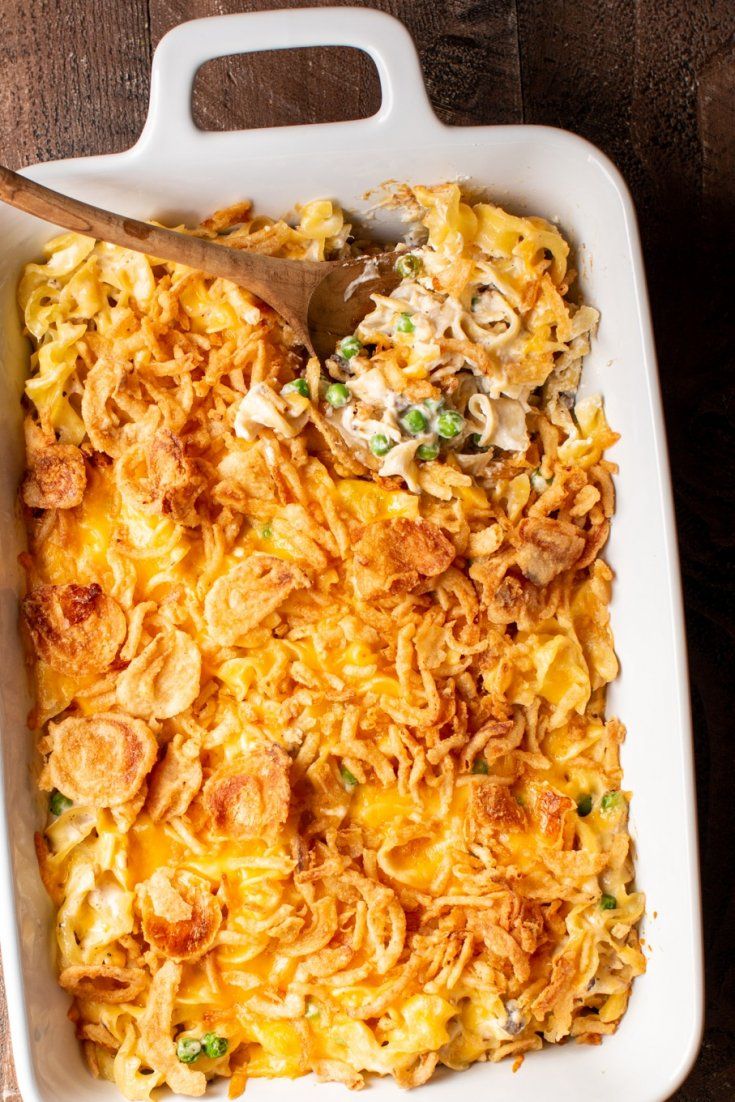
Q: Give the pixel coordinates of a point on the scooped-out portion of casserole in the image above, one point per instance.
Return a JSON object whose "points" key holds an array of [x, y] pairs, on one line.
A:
{"points": [[320, 654]]}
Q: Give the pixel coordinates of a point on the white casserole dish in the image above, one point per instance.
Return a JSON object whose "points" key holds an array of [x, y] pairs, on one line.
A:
{"points": [[177, 171]]}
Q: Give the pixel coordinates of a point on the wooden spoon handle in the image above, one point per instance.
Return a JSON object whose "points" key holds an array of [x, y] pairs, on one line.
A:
{"points": [[285, 285]]}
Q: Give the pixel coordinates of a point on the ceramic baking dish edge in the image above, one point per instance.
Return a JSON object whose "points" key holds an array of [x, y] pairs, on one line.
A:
{"points": [[177, 171]]}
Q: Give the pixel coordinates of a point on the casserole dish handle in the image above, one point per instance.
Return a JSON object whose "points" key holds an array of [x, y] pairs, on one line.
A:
{"points": [[404, 112]]}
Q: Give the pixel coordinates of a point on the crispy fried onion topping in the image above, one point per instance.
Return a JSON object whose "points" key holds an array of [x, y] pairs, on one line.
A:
{"points": [[163, 679], [56, 477], [514, 581], [548, 548], [155, 1026], [179, 914], [391, 556], [250, 798], [101, 760], [108, 411], [494, 809], [174, 479], [103, 982], [158, 477], [252, 590], [75, 629], [175, 780]]}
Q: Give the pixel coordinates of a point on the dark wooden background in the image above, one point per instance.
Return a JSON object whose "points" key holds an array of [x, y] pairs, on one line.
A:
{"points": [[652, 82]]}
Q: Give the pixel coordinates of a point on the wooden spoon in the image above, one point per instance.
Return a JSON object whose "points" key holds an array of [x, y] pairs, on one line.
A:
{"points": [[321, 300]]}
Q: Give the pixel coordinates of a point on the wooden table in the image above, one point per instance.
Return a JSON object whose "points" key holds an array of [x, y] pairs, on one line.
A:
{"points": [[652, 82]]}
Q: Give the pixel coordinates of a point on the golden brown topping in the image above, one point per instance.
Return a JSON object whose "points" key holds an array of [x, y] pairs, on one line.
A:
{"points": [[155, 1025], [339, 1071], [252, 590], [250, 799], [103, 982], [495, 808], [175, 780], [163, 680], [56, 477], [180, 916], [76, 629], [549, 547], [391, 556], [104, 423], [507, 598], [551, 807], [418, 1072], [174, 480], [559, 985], [100, 760], [502, 945]]}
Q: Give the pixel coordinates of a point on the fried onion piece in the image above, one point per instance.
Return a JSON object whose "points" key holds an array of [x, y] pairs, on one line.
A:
{"points": [[163, 680], [103, 982], [418, 1072], [506, 598], [101, 760], [252, 590], [548, 548], [391, 556], [155, 1026], [175, 780], [179, 914], [551, 807], [175, 482], [493, 808], [75, 629], [338, 1071], [56, 477], [109, 427], [250, 799]]}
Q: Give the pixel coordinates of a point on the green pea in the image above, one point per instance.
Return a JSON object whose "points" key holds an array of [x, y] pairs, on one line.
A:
{"points": [[409, 265], [188, 1050], [297, 386], [405, 324], [380, 444], [479, 765], [349, 780], [433, 404], [58, 802], [474, 302], [414, 421], [427, 452], [337, 395], [449, 424], [214, 1045], [349, 347], [608, 902], [610, 800], [266, 532], [584, 805]]}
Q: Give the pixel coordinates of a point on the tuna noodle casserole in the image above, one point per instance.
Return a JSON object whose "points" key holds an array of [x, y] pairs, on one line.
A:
{"points": [[320, 657]]}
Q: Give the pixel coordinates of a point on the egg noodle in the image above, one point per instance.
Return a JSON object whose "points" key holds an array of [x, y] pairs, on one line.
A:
{"points": [[320, 657]]}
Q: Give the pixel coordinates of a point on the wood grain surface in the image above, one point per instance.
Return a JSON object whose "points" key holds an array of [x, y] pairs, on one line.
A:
{"points": [[652, 82]]}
